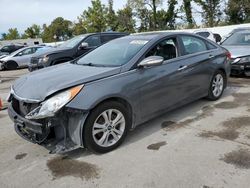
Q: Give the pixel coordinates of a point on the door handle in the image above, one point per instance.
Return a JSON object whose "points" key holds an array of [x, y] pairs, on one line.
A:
{"points": [[182, 67], [211, 56]]}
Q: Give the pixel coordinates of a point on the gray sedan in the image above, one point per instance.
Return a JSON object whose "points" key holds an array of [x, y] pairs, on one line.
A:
{"points": [[93, 102], [20, 58], [239, 46]]}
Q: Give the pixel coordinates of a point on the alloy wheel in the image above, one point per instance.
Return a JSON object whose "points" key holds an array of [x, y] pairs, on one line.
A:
{"points": [[108, 127], [218, 84]]}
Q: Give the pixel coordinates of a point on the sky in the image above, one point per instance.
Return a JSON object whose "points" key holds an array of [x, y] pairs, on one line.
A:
{"points": [[21, 14]]}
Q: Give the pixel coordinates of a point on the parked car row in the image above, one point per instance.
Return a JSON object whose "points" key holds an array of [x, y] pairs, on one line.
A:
{"points": [[20, 58], [96, 99]]}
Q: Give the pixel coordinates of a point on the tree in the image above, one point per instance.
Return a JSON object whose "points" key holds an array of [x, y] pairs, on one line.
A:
{"points": [[94, 18], [171, 13], [212, 13], [188, 13], [126, 22], [79, 27], [32, 32], [111, 17], [11, 35], [153, 4], [238, 11], [146, 20], [59, 29]]}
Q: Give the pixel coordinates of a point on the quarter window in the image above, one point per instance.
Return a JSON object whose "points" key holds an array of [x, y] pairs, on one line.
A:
{"points": [[193, 45]]}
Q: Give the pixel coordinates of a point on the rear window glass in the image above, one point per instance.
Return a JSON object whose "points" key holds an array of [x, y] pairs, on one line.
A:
{"points": [[193, 45]]}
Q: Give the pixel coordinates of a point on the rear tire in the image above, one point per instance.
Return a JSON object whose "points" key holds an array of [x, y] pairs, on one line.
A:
{"points": [[217, 86], [106, 127], [11, 65]]}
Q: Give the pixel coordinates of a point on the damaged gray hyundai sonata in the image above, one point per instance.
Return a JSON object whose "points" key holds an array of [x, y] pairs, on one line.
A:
{"points": [[93, 102]]}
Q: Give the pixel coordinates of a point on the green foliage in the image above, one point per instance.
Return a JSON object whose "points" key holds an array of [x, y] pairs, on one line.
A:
{"points": [[211, 11], [111, 17], [238, 11], [126, 22], [138, 16], [153, 4], [32, 32], [188, 13], [94, 18], [59, 29], [11, 35]]}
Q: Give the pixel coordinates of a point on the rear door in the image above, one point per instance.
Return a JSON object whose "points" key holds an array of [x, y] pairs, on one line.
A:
{"points": [[196, 65], [23, 57]]}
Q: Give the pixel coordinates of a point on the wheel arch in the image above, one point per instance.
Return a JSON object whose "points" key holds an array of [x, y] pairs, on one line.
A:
{"points": [[117, 99], [10, 61], [225, 74]]}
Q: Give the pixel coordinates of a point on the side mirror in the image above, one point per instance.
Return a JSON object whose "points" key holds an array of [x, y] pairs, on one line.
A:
{"points": [[84, 45], [151, 61], [20, 54]]}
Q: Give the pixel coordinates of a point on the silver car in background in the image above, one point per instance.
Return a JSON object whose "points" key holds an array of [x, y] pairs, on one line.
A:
{"points": [[239, 46], [20, 58]]}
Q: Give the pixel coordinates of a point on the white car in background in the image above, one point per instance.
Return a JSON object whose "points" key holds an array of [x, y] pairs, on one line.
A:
{"points": [[209, 35], [20, 58]]}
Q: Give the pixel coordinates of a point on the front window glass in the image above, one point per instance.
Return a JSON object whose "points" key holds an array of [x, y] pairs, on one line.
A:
{"points": [[238, 39], [115, 53], [93, 41], [26, 52], [166, 49], [72, 42]]}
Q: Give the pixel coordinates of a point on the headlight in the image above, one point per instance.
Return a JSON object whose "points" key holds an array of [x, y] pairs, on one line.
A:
{"points": [[43, 59], [49, 107], [241, 60]]}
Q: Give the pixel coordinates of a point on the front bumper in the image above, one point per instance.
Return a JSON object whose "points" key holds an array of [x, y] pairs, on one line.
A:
{"points": [[33, 67], [58, 134], [240, 69]]}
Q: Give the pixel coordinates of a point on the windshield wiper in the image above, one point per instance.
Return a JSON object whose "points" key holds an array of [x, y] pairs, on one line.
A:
{"points": [[91, 64]]}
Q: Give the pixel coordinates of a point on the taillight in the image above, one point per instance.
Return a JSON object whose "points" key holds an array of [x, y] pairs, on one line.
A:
{"points": [[229, 56]]}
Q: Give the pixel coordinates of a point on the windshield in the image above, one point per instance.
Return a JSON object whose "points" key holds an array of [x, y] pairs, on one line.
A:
{"points": [[72, 42], [114, 53], [238, 39]]}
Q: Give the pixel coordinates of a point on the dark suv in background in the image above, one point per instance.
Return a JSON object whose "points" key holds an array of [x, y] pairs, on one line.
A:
{"points": [[72, 49], [8, 49]]}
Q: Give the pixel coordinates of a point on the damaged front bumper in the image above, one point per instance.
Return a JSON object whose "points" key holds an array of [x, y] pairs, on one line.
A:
{"points": [[58, 134], [240, 69]]}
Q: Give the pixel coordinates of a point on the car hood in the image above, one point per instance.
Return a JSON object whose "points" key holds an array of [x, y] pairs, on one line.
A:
{"points": [[38, 85], [238, 51], [50, 51], [2, 56], [5, 58]]}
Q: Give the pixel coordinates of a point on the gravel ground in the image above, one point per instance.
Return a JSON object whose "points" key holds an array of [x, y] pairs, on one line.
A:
{"points": [[203, 144]]}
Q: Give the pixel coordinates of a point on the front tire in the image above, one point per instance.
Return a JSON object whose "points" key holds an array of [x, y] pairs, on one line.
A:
{"points": [[11, 65], [106, 127], [217, 86]]}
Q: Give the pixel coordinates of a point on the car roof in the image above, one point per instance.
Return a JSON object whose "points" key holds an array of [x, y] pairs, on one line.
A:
{"points": [[109, 33], [152, 35], [244, 32]]}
